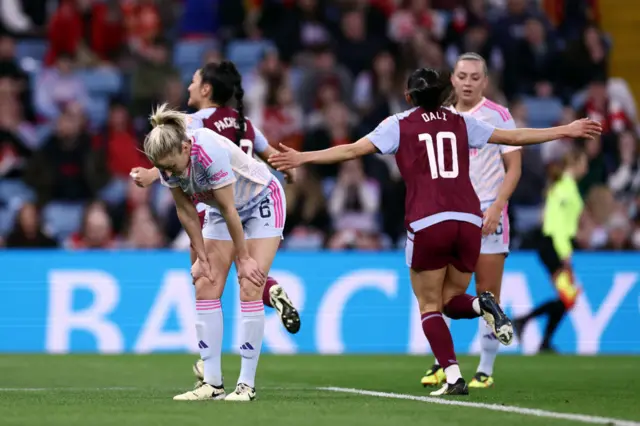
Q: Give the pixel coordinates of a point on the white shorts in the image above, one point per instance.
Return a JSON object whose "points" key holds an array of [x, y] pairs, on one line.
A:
{"points": [[264, 220], [498, 242]]}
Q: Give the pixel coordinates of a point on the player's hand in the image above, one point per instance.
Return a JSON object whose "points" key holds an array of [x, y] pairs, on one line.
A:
{"points": [[491, 219], [584, 128], [286, 159], [248, 268], [290, 175], [201, 269], [143, 177]]}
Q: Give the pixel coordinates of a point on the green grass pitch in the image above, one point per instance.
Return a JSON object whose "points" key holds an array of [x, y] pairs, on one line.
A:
{"points": [[92, 390]]}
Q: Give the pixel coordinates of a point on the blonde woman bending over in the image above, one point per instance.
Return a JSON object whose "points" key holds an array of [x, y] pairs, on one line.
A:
{"points": [[244, 222]]}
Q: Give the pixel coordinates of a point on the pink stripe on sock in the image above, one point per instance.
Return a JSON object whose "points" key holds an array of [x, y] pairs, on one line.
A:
{"points": [[208, 305], [254, 306]]}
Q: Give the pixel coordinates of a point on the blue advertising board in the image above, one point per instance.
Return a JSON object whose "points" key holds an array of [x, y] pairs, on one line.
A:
{"points": [[141, 302]]}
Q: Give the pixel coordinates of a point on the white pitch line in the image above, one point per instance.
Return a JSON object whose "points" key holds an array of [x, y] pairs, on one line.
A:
{"points": [[583, 418]]}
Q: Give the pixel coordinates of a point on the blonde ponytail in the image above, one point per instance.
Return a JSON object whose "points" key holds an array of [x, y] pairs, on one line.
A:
{"points": [[168, 133]]}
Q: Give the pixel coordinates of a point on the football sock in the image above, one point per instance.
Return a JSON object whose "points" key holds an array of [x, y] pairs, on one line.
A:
{"points": [[252, 334], [209, 328]]}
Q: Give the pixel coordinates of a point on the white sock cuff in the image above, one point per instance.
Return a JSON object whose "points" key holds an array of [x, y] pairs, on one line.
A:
{"points": [[476, 306], [208, 306], [252, 309]]}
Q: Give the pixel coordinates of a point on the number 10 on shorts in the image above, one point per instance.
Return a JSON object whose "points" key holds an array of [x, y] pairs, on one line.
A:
{"points": [[437, 165]]}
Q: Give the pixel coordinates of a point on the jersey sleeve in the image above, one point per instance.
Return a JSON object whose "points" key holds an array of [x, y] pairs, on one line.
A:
{"points": [[169, 181], [194, 123], [386, 137], [217, 162], [478, 132], [508, 125], [260, 143]]}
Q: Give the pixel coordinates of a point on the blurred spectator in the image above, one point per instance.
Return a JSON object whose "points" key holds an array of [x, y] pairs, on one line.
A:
{"points": [[378, 83], [509, 28], [92, 32], [357, 45], [28, 231], [118, 145], [13, 76], [283, 120], [295, 27], [143, 231], [153, 69], [142, 22], [58, 86], [307, 217], [175, 93], [413, 15], [618, 229], [625, 181], [599, 106], [14, 154], [67, 168], [599, 205], [268, 76], [334, 129], [353, 206], [597, 174], [95, 231], [531, 66], [476, 38], [324, 71], [585, 60]]}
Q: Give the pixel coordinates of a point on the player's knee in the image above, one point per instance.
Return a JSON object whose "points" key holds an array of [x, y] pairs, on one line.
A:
{"points": [[249, 291], [207, 289]]}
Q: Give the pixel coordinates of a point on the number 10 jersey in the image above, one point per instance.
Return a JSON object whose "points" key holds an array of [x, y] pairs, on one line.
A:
{"points": [[432, 153]]}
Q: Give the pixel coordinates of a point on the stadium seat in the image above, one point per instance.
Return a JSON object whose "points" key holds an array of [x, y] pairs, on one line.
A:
{"points": [[62, 219], [543, 112], [102, 81], [188, 56], [246, 54], [35, 49]]}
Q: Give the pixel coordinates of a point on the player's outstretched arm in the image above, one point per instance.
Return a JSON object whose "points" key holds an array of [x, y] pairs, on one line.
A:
{"points": [[584, 128], [289, 158]]}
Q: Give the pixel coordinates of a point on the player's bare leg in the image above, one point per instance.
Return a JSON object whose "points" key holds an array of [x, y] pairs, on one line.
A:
{"points": [[428, 288], [489, 271], [263, 250], [209, 325]]}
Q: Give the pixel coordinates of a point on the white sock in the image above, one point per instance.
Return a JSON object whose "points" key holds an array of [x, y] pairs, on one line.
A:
{"points": [[252, 333], [476, 306], [490, 345], [209, 328], [453, 373]]}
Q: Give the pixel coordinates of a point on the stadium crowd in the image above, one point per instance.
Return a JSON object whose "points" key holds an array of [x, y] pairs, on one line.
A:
{"points": [[79, 77]]}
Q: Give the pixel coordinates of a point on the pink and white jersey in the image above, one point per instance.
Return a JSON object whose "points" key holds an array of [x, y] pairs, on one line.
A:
{"points": [[486, 167], [215, 163]]}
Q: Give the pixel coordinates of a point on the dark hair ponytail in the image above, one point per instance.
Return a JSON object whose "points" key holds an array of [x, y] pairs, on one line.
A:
{"points": [[428, 88], [226, 82]]}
